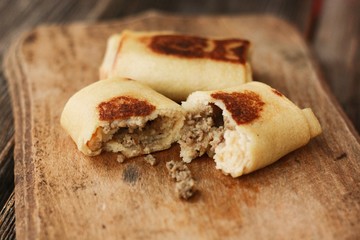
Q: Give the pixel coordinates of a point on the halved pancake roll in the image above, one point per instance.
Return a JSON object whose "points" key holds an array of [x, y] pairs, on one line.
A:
{"points": [[244, 128], [121, 115], [177, 65]]}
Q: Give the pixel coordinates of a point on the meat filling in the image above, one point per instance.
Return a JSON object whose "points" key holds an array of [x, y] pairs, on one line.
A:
{"points": [[202, 133], [133, 139]]}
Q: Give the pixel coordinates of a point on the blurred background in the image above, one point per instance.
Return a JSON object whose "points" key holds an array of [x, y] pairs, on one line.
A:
{"points": [[331, 28]]}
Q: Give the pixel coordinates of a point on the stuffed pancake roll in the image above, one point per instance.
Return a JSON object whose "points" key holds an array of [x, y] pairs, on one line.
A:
{"points": [[121, 115], [177, 65], [244, 128]]}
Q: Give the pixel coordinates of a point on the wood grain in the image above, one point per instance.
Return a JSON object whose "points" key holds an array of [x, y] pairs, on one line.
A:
{"points": [[7, 219], [311, 193], [6, 172]]}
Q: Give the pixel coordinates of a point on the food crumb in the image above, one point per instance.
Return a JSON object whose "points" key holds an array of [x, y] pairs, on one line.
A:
{"points": [[120, 158], [185, 188], [150, 159], [185, 184]]}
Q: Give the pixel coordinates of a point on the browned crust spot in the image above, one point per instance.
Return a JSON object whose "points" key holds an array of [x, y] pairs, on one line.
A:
{"points": [[228, 50], [124, 107], [277, 92], [244, 107]]}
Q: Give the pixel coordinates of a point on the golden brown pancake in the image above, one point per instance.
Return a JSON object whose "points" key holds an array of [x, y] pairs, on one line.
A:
{"points": [[175, 64], [123, 116], [244, 128]]}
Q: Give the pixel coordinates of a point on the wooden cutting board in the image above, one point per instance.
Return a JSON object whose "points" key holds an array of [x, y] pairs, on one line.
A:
{"points": [[313, 192]]}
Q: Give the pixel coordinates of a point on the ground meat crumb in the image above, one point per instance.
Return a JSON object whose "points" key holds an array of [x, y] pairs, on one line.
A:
{"points": [[185, 188], [120, 158], [150, 159], [185, 184]]}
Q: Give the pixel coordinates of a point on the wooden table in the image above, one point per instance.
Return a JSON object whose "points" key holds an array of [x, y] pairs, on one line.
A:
{"points": [[332, 29]]}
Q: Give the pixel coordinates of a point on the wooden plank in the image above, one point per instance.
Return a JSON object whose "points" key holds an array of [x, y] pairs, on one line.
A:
{"points": [[337, 46], [16, 15], [311, 193]]}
